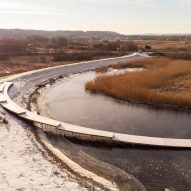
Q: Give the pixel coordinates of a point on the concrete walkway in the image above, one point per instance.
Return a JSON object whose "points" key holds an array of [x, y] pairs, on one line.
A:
{"points": [[56, 127]]}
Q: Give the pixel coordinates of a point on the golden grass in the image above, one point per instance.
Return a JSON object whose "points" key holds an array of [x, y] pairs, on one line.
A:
{"points": [[142, 63], [164, 44], [146, 86]]}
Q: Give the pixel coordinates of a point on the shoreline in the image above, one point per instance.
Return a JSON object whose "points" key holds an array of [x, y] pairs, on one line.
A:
{"points": [[98, 182], [57, 81], [28, 75], [147, 105], [164, 85], [27, 86], [60, 155]]}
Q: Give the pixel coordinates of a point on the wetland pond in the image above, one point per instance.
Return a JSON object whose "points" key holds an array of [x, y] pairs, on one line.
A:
{"points": [[157, 169]]}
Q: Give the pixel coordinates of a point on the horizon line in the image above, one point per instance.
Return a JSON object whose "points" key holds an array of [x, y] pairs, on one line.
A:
{"points": [[128, 34]]}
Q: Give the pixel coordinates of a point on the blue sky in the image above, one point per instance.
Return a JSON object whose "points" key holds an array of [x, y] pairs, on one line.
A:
{"points": [[124, 16]]}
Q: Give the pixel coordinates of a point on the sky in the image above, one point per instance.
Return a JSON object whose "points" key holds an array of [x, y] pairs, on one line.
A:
{"points": [[123, 16]]}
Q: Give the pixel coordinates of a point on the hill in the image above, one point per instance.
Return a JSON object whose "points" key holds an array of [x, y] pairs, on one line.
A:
{"points": [[20, 34]]}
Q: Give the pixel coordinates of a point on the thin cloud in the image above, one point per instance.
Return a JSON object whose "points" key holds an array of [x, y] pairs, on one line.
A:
{"points": [[135, 2], [22, 8]]}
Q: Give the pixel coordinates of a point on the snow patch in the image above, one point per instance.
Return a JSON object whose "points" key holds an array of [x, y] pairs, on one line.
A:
{"points": [[24, 167]]}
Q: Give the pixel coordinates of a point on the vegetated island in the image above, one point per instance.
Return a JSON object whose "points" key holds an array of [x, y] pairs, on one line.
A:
{"points": [[165, 82]]}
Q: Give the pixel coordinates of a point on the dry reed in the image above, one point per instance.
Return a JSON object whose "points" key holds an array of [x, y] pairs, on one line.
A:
{"points": [[145, 86]]}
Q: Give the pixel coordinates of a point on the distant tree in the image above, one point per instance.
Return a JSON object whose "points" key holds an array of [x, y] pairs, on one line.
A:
{"points": [[37, 41], [106, 46], [131, 46], [58, 43], [12, 46], [62, 42], [147, 47]]}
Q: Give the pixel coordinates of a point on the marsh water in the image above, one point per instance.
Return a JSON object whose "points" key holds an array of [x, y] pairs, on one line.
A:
{"points": [[156, 169]]}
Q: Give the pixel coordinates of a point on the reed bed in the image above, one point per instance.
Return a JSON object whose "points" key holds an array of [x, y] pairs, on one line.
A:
{"points": [[146, 63], [145, 86]]}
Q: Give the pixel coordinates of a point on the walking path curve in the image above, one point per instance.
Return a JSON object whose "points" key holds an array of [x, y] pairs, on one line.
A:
{"points": [[56, 127]]}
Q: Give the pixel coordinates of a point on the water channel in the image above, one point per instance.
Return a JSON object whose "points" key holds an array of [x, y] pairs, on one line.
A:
{"points": [[156, 169]]}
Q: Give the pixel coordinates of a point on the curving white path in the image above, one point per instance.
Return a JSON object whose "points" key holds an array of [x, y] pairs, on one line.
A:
{"points": [[57, 127]]}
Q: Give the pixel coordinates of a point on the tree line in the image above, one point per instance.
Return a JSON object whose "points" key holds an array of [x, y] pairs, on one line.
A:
{"points": [[62, 48]]}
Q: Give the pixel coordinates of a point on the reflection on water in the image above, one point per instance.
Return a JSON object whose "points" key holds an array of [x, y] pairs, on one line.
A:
{"points": [[156, 169]]}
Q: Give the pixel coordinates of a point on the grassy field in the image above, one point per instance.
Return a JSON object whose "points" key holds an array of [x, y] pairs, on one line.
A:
{"points": [[163, 82], [17, 56], [165, 45], [21, 64]]}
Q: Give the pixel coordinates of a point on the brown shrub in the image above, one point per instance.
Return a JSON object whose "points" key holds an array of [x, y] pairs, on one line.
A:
{"points": [[102, 69]]}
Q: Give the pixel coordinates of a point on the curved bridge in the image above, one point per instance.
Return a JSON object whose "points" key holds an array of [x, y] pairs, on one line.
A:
{"points": [[69, 130]]}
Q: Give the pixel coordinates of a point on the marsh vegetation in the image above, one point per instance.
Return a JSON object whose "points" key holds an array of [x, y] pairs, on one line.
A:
{"points": [[164, 82]]}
